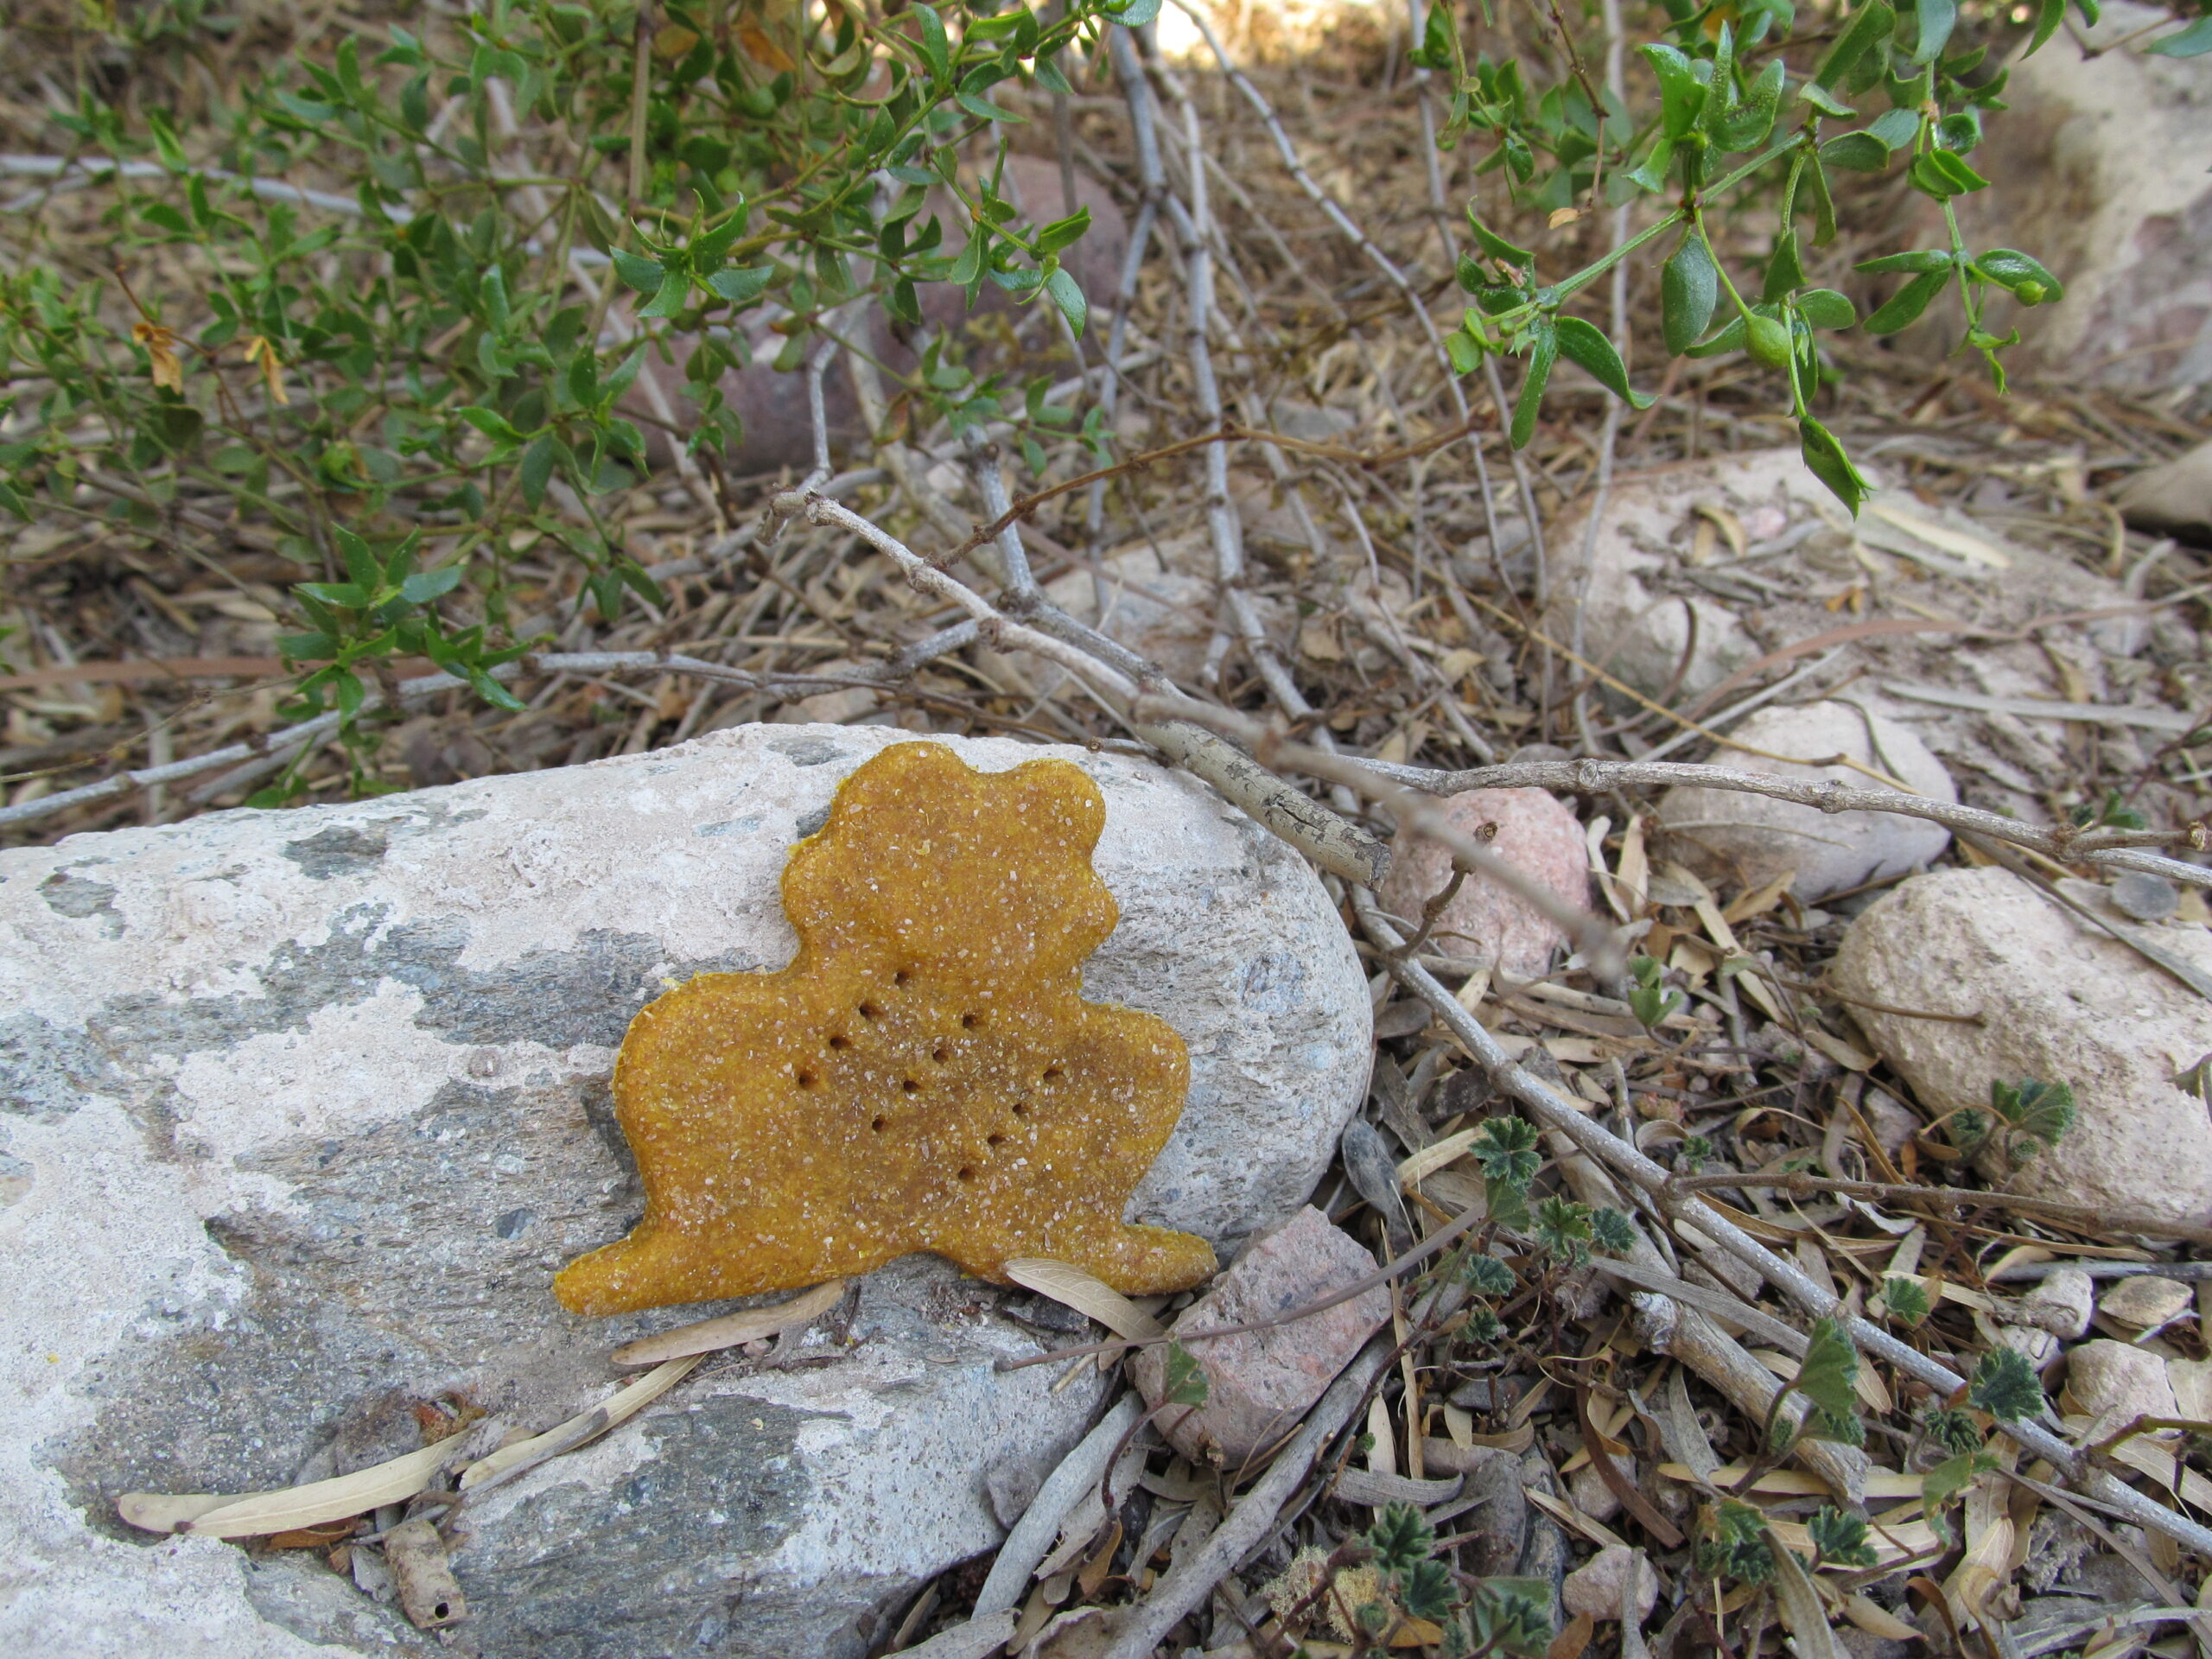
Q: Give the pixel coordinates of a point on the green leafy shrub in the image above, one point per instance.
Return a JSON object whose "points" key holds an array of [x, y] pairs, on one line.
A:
{"points": [[1725, 90], [369, 301]]}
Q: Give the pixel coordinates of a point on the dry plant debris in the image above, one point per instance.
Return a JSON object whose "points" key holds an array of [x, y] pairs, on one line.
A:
{"points": [[925, 1075]]}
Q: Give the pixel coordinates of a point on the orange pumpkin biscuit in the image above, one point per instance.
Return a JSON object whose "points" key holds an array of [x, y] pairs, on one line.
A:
{"points": [[924, 1074]]}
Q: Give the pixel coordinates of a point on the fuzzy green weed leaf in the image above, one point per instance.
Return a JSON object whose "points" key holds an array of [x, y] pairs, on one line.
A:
{"points": [[1512, 1616], [1840, 1538], [2037, 1114], [1613, 1232], [2004, 1386], [1904, 1301], [1562, 1227], [1829, 1370], [1400, 1537]]}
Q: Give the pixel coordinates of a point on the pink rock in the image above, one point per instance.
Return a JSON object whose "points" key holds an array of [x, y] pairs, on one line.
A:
{"points": [[1485, 922], [1260, 1383]]}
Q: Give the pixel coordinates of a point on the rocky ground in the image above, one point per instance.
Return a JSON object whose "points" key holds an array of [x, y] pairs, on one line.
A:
{"points": [[302, 1109]]}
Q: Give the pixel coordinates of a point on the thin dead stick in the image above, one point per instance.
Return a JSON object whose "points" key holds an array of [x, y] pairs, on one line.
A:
{"points": [[1332, 843], [543, 663], [1031, 1537], [1346, 225], [1717, 1232], [1187, 1585], [2087, 1217]]}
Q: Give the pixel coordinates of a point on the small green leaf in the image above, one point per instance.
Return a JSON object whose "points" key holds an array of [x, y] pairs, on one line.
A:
{"points": [[741, 284], [1903, 308], [536, 469], [1939, 173], [1840, 1538], [643, 274], [1532, 386], [1582, 343], [345, 594], [2191, 42], [1869, 25], [674, 287], [1690, 288], [426, 585], [1826, 460], [1829, 1368], [1951, 1477], [1067, 294], [1937, 19], [490, 422], [1785, 271], [2052, 14], [1856, 152], [1488, 1276], [2024, 276], [2038, 1113], [360, 564], [1063, 231], [936, 53], [1562, 1227], [165, 141], [1919, 262], [1401, 1538], [1824, 308], [1505, 252], [1682, 94], [1825, 102], [1614, 1232], [1466, 356], [1186, 1382], [1904, 1300]]}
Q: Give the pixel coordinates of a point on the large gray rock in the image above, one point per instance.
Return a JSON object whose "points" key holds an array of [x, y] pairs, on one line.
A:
{"points": [[300, 1108], [2101, 167], [2060, 1003], [1747, 841]]}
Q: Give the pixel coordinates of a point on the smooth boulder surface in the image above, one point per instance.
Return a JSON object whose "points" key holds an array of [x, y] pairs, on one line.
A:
{"points": [[2060, 1003], [298, 1109], [1747, 841]]}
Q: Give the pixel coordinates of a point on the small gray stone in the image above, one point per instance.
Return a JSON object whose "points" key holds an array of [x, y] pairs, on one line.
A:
{"points": [[2119, 1380], [1745, 840], [2142, 1302], [1485, 1393], [1594, 1589], [2062, 1303], [2145, 897], [1641, 616], [2175, 498]]}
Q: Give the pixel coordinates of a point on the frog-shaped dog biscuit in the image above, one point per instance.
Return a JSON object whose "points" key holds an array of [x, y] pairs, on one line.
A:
{"points": [[924, 1074]]}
